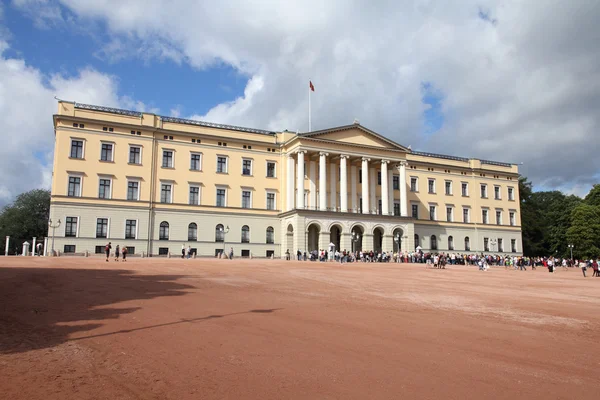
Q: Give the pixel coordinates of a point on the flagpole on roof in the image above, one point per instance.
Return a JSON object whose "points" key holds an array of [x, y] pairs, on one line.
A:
{"points": [[309, 116]]}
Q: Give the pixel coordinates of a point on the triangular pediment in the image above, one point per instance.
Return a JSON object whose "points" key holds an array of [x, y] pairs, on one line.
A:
{"points": [[355, 134]]}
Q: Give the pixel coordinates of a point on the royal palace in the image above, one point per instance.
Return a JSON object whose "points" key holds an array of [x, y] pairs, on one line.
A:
{"points": [[154, 184]]}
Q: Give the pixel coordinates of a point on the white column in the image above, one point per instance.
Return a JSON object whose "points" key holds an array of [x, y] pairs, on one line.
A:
{"points": [[343, 184], [33, 247], [373, 188], [6, 245], [45, 252], [300, 182], [385, 198], [353, 192], [312, 185], [403, 199], [391, 190], [333, 185], [365, 185], [291, 186], [323, 181]]}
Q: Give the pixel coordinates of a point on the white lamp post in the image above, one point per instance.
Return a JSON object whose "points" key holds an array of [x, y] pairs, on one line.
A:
{"points": [[571, 247], [53, 226]]}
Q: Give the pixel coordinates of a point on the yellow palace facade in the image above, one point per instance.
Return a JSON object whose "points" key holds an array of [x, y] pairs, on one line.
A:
{"points": [[156, 184]]}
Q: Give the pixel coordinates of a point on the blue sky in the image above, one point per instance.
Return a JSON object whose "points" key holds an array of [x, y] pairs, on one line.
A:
{"points": [[65, 49], [514, 82]]}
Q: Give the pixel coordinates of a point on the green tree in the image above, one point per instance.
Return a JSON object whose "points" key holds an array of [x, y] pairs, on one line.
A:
{"points": [[554, 210], [25, 218], [593, 197], [584, 232], [531, 220]]}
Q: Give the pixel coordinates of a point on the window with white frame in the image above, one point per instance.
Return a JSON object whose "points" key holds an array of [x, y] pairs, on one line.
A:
{"points": [[195, 161], [396, 208], [246, 199], [484, 216], [104, 185], [101, 228], [270, 235], [511, 216], [484, 191], [167, 159], [497, 192], [498, 217], [511, 194], [432, 215], [130, 229], [194, 195], [513, 245], [246, 166], [71, 226], [500, 245], [431, 185], [414, 184], [448, 187], [271, 169], [465, 189], [74, 188], [449, 214], [245, 234], [486, 244], [466, 218], [396, 182], [221, 197], [222, 164], [166, 192], [77, 148], [135, 155], [133, 190], [270, 201], [106, 152], [415, 211]]}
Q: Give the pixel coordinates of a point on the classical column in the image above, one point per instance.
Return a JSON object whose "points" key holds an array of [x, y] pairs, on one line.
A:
{"points": [[373, 189], [300, 182], [365, 185], [323, 181], [343, 184], [391, 190], [312, 185], [403, 199], [291, 186], [385, 198], [353, 192], [333, 186]]}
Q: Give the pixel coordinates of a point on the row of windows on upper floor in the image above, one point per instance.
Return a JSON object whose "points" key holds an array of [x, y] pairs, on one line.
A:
{"points": [[448, 186], [499, 242], [168, 158], [131, 230], [166, 193], [466, 215]]}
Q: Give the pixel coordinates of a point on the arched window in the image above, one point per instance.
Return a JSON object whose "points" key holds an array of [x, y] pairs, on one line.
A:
{"points": [[467, 244], [433, 242], [192, 232], [450, 243], [219, 233], [270, 235], [163, 233], [417, 244], [245, 234]]}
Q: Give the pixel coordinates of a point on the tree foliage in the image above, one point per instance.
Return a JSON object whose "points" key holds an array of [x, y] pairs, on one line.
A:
{"points": [[25, 218], [584, 232]]}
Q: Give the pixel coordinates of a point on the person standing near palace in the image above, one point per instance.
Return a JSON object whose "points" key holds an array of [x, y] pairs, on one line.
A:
{"points": [[107, 250], [117, 253], [124, 251]]}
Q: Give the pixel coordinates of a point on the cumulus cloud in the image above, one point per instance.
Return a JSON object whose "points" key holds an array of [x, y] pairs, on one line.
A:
{"points": [[516, 81], [26, 107]]}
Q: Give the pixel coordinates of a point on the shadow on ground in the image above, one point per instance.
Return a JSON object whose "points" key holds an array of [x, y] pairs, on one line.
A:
{"points": [[36, 303]]}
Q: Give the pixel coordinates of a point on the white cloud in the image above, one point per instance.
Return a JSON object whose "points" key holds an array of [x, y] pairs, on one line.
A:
{"points": [[45, 14], [26, 107], [519, 81]]}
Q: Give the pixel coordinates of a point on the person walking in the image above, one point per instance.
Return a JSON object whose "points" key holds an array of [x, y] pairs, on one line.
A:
{"points": [[583, 267], [231, 253], [39, 249], [182, 251], [188, 252], [124, 251], [107, 250], [117, 253]]}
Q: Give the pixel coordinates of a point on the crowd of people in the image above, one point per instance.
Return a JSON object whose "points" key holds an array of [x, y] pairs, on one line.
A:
{"points": [[440, 260]]}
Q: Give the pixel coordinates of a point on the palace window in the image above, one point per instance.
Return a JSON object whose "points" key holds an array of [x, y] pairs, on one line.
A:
{"points": [[167, 161], [133, 190], [76, 148], [130, 229], [106, 153], [220, 197], [195, 161], [270, 169], [192, 232], [270, 235], [135, 155], [194, 195], [166, 193], [245, 234], [74, 189], [270, 201], [71, 226], [102, 228], [163, 233], [104, 189]]}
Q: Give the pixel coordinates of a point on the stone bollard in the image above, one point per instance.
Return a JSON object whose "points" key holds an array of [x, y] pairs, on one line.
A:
{"points": [[272, 256], [142, 254], [251, 256], [87, 253], [169, 255], [194, 256]]}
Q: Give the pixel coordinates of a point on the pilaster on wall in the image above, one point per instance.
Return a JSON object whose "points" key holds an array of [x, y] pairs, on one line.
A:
{"points": [[387, 243], [324, 239], [300, 235], [346, 242], [410, 240], [367, 242]]}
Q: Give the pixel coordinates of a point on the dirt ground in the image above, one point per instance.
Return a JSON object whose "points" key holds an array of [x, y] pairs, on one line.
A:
{"points": [[77, 328]]}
